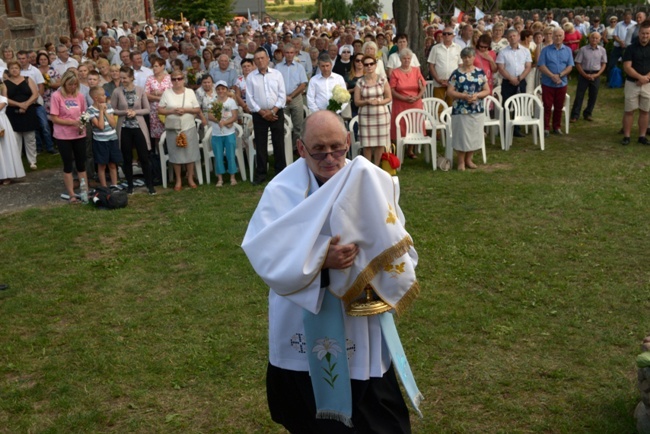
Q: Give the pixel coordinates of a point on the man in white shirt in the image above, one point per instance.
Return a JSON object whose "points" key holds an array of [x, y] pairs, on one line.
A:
{"points": [[322, 84], [63, 60], [124, 44], [295, 83], [266, 98], [302, 56], [464, 38], [550, 21], [140, 72], [443, 59]]}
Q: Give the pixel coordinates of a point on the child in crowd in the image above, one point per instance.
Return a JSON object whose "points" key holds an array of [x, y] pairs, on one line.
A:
{"points": [[223, 134], [106, 148], [93, 80]]}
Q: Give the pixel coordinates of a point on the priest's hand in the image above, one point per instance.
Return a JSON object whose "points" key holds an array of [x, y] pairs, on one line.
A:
{"points": [[340, 256]]}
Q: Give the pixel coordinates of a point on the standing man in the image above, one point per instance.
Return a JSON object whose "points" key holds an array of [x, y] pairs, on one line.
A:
{"points": [[555, 63], [140, 72], [322, 84], [620, 33], [636, 64], [443, 60], [514, 63], [295, 83], [63, 60], [266, 98], [223, 72], [591, 62], [464, 38], [328, 371]]}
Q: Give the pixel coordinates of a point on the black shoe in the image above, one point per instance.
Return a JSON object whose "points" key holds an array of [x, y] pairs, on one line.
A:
{"points": [[53, 152], [558, 132], [643, 141], [518, 134], [547, 133], [129, 190], [258, 181], [625, 141], [3, 286], [152, 191]]}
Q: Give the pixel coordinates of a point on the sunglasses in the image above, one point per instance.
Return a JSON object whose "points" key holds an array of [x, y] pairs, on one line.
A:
{"points": [[447, 33], [178, 79], [320, 156], [345, 52], [358, 60], [368, 65]]}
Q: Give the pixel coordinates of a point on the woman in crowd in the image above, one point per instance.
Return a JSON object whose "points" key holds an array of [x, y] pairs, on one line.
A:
{"points": [[526, 41], [67, 106], [11, 165], [370, 49], [313, 55], [181, 102], [8, 54], [22, 93], [51, 77], [154, 87], [208, 58], [177, 66], [343, 63], [130, 104], [467, 87], [486, 59], [114, 82], [608, 34], [104, 69], [498, 41], [240, 85], [206, 95], [407, 86], [351, 80], [572, 37], [372, 95]]}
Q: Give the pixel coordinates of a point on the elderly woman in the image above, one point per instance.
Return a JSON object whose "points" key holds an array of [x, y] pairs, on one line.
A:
{"points": [[407, 87], [130, 104], [343, 63], [154, 87], [467, 87], [372, 95], [572, 37], [370, 49], [67, 106], [498, 41], [486, 58], [22, 93], [180, 104]]}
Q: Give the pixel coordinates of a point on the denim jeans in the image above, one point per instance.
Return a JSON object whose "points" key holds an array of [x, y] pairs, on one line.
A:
{"points": [[43, 130]]}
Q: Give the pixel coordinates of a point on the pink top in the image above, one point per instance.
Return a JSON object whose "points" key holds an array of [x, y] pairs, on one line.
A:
{"points": [[71, 108], [484, 64]]}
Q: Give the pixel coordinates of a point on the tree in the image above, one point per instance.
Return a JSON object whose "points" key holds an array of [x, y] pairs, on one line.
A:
{"points": [[407, 20], [365, 7], [334, 10], [195, 10]]}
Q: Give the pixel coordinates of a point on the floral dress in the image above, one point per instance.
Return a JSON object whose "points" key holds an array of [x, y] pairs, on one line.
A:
{"points": [[154, 86], [51, 77], [467, 117]]}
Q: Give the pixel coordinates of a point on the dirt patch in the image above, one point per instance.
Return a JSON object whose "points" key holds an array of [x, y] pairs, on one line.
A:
{"points": [[38, 189]]}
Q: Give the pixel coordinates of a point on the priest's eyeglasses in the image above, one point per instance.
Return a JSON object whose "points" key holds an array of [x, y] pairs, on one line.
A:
{"points": [[320, 156]]}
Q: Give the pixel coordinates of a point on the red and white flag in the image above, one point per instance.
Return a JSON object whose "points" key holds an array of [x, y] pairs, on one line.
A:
{"points": [[458, 14]]}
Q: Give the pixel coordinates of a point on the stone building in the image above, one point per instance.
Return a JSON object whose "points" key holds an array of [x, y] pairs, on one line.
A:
{"points": [[29, 24]]}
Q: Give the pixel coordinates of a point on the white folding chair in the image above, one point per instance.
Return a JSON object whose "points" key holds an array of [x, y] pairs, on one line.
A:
{"points": [[445, 118], [167, 172], [355, 146], [208, 153], [428, 90], [496, 92], [524, 109], [435, 106], [566, 108], [493, 123], [415, 132]]}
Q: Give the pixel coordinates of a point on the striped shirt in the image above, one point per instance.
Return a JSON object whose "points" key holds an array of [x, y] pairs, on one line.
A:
{"points": [[108, 132]]}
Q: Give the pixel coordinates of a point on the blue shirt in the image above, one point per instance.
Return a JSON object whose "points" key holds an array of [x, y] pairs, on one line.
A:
{"points": [[294, 75], [556, 60]]}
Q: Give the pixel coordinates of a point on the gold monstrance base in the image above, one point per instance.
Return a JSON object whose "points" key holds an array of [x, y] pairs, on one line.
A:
{"points": [[368, 305]]}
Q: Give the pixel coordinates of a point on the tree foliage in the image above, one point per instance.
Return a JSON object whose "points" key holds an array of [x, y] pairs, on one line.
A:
{"points": [[334, 10], [195, 10], [365, 7]]}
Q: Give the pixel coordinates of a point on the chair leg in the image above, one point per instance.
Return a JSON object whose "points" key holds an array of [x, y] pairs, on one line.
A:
{"points": [[208, 159], [199, 172]]}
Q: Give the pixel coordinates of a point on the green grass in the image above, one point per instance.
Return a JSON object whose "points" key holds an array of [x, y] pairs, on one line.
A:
{"points": [[300, 10], [534, 300]]}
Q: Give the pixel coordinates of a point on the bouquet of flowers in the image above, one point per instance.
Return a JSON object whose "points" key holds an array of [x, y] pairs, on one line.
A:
{"points": [[85, 118], [48, 81], [340, 96], [217, 110]]}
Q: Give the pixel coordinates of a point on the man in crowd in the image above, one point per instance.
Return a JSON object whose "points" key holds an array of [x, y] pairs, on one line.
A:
{"points": [[636, 64], [223, 71], [620, 33], [140, 72], [632, 34], [364, 395], [514, 63], [63, 60], [322, 84], [295, 83], [266, 98], [550, 21], [555, 63], [591, 61], [394, 60], [443, 59], [464, 38]]}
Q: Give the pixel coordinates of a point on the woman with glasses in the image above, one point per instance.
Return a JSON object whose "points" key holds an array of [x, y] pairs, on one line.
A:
{"points": [[154, 87], [372, 95], [343, 63], [608, 34], [486, 59], [407, 86], [468, 86], [356, 72], [183, 143], [370, 49]]}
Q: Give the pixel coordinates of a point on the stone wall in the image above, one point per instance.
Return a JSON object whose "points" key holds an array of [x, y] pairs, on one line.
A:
{"points": [[45, 20]]}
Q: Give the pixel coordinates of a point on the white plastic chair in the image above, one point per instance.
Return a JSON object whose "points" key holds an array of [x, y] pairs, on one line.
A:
{"points": [[524, 109], [288, 146], [566, 108], [445, 117], [167, 172], [428, 90], [435, 107], [496, 92], [415, 132], [208, 153], [355, 144], [491, 122]]}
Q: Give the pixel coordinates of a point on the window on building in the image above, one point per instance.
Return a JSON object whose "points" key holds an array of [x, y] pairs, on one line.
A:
{"points": [[13, 8]]}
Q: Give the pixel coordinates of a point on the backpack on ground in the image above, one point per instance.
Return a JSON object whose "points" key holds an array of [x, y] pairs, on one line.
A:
{"points": [[104, 197]]}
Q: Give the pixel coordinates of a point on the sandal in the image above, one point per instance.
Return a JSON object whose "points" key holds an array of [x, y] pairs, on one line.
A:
{"points": [[412, 156], [233, 181], [219, 183], [73, 200]]}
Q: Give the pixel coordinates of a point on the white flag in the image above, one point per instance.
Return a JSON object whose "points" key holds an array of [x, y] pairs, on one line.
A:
{"points": [[478, 14]]}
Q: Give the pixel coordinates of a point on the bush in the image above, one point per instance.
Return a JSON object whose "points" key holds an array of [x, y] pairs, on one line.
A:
{"points": [[292, 2]]}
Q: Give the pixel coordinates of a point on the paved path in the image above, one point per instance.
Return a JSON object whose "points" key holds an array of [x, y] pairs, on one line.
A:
{"points": [[37, 189]]}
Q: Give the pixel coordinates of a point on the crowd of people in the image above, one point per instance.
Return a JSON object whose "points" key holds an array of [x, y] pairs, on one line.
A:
{"points": [[165, 75]]}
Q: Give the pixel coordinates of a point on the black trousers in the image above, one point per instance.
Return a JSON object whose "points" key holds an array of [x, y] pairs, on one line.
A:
{"points": [[261, 127], [73, 151], [508, 90], [134, 138], [377, 405], [585, 85]]}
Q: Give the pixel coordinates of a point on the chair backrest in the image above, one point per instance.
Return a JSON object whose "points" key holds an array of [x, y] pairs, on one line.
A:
{"points": [[491, 102], [434, 106], [538, 92], [247, 124], [353, 122], [306, 110], [523, 105], [414, 123], [428, 90], [496, 92]]}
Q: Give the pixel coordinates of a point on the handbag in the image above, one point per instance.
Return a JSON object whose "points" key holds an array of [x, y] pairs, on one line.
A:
{"points": [[443, 164], [389, 161], [173, 122]]}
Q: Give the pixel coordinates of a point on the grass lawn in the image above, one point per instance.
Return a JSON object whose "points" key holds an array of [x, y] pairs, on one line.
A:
{"points": [[534, 300], [300, 10]]}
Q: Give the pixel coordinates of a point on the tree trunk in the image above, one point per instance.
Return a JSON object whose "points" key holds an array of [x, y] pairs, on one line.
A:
{"points": [[407, 20]]}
